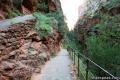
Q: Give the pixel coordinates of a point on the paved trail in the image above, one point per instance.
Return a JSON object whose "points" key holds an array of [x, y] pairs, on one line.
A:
{"points": [[58, 68], [4, 24]]}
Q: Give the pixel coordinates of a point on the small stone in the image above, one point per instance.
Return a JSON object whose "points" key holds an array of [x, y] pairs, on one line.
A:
{"points": [[38, 70], [8, 66], [31, 34], [2, 47], [2, 34]]}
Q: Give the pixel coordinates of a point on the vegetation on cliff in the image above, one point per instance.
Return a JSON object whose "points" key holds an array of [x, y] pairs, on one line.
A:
{"points": [[24, 47], [44, 25], [99, 37]]}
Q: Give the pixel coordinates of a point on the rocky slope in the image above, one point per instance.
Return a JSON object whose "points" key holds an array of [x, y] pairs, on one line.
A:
{"points": [[22, 50]]}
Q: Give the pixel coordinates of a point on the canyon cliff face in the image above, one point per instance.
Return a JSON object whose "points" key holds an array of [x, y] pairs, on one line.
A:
{"points": [[86, 22], [22, 50], [98, 36], [8, 7], [83, 28]]}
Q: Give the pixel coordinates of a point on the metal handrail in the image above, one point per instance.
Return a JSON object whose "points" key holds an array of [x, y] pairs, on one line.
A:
{"points": [[89, 60]]}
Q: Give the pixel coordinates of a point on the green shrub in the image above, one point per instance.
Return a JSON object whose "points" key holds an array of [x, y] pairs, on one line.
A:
{"points": [[44, 25], [104, 48], [60, 18], [112, 3], [13, 13], [71, 41], [41, 5]]}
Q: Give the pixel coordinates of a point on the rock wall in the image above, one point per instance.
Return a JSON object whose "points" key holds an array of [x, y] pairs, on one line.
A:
{"points": [[83, 28], [23, 52], [8, 7]]}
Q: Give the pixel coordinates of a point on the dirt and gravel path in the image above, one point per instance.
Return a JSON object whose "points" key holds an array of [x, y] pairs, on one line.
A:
{"points": [[58, 68]]}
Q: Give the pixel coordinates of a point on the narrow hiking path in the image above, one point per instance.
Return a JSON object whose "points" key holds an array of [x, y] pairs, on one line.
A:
{"points": [[58, 68], [4, 24]]}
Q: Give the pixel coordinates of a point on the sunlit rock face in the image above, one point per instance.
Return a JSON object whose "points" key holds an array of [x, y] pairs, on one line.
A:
{"points": [[87, 21], [57, 4], [90, 6], [82, 8]]}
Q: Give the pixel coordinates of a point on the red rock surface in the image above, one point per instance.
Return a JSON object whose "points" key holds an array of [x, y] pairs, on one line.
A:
{"points": [[26, 7], [23, 52]]}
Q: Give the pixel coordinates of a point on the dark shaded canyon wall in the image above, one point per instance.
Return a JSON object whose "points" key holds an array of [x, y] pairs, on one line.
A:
{"points": [[86, 23], [27, 6], [83, 28]]}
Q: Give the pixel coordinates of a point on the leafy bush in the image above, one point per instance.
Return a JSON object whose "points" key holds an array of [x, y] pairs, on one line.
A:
{"points": [[41, 5], [71, 41], [112, 3], [60, 18], [44, 25], [13, 13], [104, 48]]}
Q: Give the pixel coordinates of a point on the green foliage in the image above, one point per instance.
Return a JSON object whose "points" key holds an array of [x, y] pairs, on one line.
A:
{"points": [[112, 3], [60, 18], [71, 41], [13, 13], [70, 38], [41, 5], [44, 25], [104, 48]]}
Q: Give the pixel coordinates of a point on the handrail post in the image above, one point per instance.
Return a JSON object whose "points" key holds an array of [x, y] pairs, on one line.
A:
{"points": [[87, 69], [78, 65], [70, 52], [74, 57], [88, 61]]}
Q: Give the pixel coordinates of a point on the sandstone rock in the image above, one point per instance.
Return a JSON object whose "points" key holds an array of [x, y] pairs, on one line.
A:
{"points": [[4, 77], [37, 46], [2, 47], [2, 34], [31, 34], [44, 56], [14, 54], [22, 73], [38, 70], [12, 40], [7, 66], [6, 50], [32, 51], [22, 57], [25, 47], [33, 63]]}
